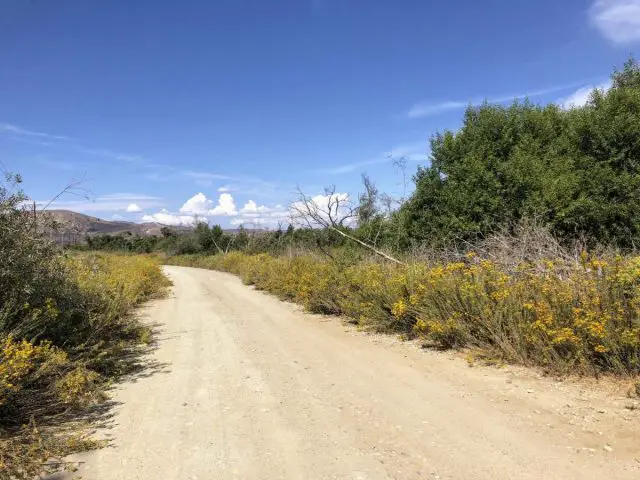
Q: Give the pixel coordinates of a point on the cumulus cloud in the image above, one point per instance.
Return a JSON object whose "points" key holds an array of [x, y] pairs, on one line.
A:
{"points": [[167, 218], [253, 207], [133, 208], [226, 206], [201, 208], [617, 20], [581, 96], [199, 204]]}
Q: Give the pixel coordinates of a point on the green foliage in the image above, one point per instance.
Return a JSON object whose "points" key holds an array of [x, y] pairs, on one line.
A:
{"points": [[123, 243], [576, 169]]}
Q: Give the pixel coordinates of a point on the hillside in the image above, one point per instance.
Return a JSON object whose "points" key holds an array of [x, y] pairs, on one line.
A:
{"points": [[79, 223]]}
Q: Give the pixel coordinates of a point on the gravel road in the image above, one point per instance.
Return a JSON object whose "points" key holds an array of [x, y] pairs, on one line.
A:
{"points": [[253, 388]]}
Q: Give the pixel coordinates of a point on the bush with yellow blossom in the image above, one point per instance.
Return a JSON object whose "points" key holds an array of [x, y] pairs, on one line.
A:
{"points": [[565, 316]]}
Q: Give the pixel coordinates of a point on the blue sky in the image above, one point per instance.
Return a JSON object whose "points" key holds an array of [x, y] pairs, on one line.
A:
{"points": [[221, 108]]}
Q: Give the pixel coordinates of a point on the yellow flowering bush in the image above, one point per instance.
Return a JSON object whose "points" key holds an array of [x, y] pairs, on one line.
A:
{"points": [[560, 315], [22, 363], [59, 344]]}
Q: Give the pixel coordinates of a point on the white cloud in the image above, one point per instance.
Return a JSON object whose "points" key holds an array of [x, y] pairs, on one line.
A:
{"points": [[167, 218], [414, 152], [427, 109], [115, 202], [199, 204], [225, 188], [350, 167], [117, 217], [253, 207], [128, 196], [617, 20], [581, 96], [24, 135], [104, 153], [226, 206], [206, 175], [15, 130], [133, 208]]}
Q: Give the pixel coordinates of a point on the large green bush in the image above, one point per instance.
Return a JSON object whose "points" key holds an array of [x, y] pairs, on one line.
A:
{"points": [[576, 169]]}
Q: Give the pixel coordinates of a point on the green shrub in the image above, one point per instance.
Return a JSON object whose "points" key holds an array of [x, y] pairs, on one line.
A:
{"points": [[65, 330]]}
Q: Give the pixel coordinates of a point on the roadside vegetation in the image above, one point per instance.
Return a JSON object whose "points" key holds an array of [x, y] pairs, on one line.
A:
{"points": [[519, 239], [518, 242], [566, 315], [66, 332]]}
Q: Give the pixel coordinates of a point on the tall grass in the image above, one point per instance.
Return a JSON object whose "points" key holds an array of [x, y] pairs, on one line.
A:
{"points": [[580, 315]]}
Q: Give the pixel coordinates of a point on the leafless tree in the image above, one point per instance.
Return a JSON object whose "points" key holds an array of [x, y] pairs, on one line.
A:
{"points": [[74, 187], [334, 211], [401, 165], [337, 211]]}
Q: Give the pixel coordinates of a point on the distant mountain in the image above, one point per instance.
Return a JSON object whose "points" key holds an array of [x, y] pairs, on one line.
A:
{"points": [[81, 224]]}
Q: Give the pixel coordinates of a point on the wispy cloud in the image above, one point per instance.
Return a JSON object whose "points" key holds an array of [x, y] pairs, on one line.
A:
{"points": [[350, 167], [22, 132], [246, 185], [413, 152], [428, 109], [129, 196], [49, 140], [115, 202], [104, 153], [206, 175], [617, 20]]}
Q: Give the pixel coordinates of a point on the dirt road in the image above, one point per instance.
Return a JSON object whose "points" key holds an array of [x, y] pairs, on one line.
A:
{"points": [[255, 389]]}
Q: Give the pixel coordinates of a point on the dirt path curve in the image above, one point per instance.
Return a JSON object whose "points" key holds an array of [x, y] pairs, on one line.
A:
{"points": [[255, 389]]}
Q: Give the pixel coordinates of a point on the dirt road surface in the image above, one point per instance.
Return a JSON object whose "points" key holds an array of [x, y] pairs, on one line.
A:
{"points": [[255, 389]]}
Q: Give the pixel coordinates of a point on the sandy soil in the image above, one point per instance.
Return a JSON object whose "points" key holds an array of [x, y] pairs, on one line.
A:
{"points": [[255, 389]]}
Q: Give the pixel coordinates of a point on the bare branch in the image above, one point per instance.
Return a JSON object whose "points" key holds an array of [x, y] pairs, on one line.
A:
{"points": [[338, 210]]}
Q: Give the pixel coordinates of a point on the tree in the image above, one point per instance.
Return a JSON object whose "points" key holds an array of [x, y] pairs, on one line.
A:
{"points": [[368, 208], [576, 169], [331, 211]]}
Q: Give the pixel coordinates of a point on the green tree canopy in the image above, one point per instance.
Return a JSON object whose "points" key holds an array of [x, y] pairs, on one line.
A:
{"points": [[575, 168]]}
